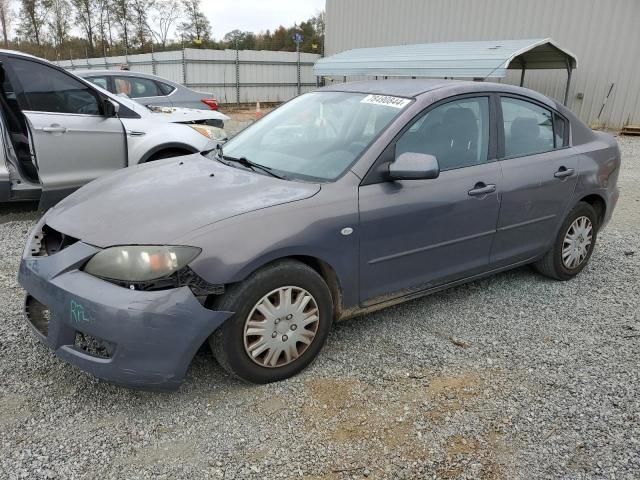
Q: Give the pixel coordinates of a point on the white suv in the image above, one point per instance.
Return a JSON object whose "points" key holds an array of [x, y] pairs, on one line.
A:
{"points": [[60, 131]]}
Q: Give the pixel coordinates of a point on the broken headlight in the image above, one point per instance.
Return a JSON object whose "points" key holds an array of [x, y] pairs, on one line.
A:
{"points": [[211, 132], [139, 263]]}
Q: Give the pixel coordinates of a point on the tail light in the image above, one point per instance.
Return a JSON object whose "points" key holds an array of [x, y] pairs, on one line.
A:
{"points": [[212, 103]]}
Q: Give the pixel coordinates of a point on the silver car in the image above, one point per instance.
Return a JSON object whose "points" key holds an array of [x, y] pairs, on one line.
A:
{"points": [[149, 89], [59, 131]]}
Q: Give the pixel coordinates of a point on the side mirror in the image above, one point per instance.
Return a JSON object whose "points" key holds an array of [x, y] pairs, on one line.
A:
{"points": [[110, 107], [414, 166]]}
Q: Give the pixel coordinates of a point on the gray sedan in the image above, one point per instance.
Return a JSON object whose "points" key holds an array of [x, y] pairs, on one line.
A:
{"points": [[342, 201], [149, 90]]}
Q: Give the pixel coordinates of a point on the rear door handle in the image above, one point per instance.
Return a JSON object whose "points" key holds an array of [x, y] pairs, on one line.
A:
{"points": [[55, 129], [481, 188], [564, 172]]}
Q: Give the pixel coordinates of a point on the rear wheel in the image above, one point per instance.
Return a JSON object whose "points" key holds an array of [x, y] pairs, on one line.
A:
{"points": [[283, 314], [573, 246]]}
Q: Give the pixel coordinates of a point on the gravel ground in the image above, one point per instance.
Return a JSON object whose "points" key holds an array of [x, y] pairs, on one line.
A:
{"points": [[516, 376]]}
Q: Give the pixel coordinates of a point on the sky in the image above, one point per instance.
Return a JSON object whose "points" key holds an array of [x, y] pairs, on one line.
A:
{"points": [[257, 15], [250, 15]]}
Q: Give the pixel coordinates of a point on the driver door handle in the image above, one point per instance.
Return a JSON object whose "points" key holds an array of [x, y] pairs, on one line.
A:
{"points": [[481, 188], [564, 172], [55, 129]]}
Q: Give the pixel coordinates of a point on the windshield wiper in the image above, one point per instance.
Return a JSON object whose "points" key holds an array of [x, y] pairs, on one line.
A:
{"points": [[245, 162]]}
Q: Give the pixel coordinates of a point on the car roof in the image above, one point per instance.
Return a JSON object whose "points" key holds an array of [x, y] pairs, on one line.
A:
{"points": [[399, 87], [123, 73], [412, 88], [21, 54]]}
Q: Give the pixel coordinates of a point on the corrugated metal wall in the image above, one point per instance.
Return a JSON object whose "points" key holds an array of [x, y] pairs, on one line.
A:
{"points": [[263, 76], [603, 34]]}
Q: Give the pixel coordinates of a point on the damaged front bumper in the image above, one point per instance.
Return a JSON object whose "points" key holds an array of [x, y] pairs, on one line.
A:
{"points": [[141, 339]]}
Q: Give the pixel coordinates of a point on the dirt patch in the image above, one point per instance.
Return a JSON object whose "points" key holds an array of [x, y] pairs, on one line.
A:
{"points": [[14, 409], [403, 419]]}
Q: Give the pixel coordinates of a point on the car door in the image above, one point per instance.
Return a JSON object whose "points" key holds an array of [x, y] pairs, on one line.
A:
{"points": [[417, 234], [73, 141], [143, 90], [539, 172]]}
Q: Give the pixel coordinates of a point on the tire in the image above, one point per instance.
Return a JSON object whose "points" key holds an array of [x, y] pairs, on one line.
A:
{"points": [[168, 153], [232, 342], [552, 264]]}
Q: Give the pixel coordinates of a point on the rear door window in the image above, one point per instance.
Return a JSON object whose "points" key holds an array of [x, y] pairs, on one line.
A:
{"points": [[528, 128], [136, 87], [102, 82]]}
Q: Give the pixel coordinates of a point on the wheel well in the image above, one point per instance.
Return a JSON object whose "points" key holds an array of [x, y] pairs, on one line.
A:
{"points": [[597, 202], [167, 153], [329, 275]]}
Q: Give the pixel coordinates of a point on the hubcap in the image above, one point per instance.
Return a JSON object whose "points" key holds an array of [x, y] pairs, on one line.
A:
{"points": [[577, 242], [281, 326]]}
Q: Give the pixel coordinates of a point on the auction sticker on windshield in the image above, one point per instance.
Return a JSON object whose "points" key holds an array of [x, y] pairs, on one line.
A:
{"points": [[386, 100]]}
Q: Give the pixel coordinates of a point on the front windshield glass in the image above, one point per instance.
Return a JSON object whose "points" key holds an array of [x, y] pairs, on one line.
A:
{"points": [[316, 136]]}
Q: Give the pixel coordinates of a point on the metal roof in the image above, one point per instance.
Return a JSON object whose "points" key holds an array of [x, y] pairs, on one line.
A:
{"points": [[476, 59]]}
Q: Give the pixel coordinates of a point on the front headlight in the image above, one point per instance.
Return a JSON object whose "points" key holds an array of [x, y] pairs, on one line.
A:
{"points": [[139, 263], [211, 132]]}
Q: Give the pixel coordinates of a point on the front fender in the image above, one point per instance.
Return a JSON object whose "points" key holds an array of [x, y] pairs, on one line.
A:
{"points": [[144, 136], [234, 248]]}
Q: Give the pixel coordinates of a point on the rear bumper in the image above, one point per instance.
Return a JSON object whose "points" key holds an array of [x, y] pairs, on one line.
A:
{"points": [[612, 200], [151, 336]]}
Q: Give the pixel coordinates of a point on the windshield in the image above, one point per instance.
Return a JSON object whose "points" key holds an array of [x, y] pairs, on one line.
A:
{"points": [[316, 136]]}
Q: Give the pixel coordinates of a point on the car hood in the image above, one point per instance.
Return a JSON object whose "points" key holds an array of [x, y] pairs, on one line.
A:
{"points": [[181, 115], [159, 202], [167, 114]]}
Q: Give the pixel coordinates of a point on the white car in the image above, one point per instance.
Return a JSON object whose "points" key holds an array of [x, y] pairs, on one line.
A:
{"points": [[60, 131]]}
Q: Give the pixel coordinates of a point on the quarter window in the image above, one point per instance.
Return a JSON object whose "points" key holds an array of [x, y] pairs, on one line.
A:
{"points": [[165, 88], [456, 133], [528, 128], [560, 131], [47, 89]]}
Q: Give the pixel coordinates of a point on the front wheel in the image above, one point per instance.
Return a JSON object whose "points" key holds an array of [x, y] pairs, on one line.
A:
{"points": [[573, 246], [283, 314]]}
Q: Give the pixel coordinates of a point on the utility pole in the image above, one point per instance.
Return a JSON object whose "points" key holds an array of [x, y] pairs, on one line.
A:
{"points": [[237, 73], [297, 37]]}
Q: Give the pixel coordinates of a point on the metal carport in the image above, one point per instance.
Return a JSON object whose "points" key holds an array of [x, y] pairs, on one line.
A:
{"points": [[475, 59]]}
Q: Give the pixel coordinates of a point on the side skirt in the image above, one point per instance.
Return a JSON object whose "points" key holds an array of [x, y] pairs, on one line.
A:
{"points": [[384, 302]]}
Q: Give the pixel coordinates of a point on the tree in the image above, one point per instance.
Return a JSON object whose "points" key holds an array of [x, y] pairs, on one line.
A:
{"points": [[318, 23], [104, 24], [241, 40], [58, 20], [196, 26], [122, 17], [139, 16], [279, 38], [6, 17], [33, 18], [164, 16], [85, 16]]}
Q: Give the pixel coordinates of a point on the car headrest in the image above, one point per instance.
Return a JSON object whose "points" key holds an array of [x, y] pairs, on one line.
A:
{"points": [[460, 119], [525, 127]]}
